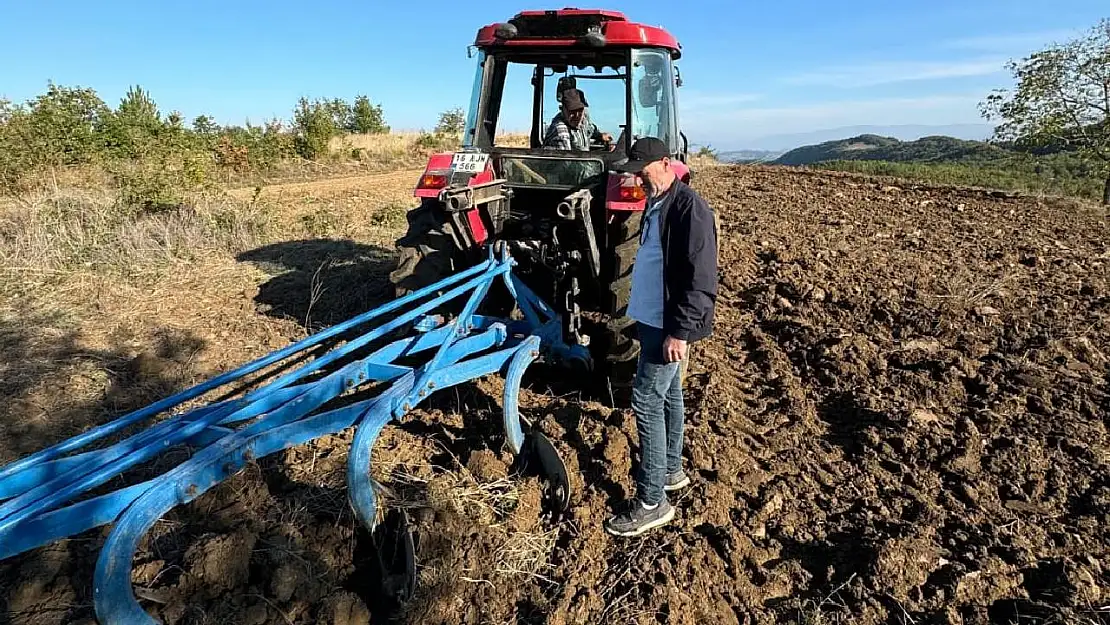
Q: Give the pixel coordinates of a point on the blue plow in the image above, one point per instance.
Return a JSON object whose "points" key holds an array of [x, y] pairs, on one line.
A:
{"points": [[48, 495]]}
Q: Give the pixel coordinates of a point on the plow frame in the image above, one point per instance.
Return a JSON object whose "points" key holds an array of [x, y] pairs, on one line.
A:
{"points": [[38, 493]]}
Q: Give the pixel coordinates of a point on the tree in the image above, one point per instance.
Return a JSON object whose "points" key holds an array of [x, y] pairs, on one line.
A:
{"points": [[451, 122], [132, 130], [1062, 100], [137, 108], [205, 125], [60, 126], [707, 151], [340, 111], [55, 129], [315, 125], [367, 118]]}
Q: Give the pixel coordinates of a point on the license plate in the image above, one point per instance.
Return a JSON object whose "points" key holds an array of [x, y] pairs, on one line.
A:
{"points": [[470, 162]]}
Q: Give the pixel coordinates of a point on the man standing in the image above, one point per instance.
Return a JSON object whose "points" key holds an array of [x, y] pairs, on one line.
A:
{"points": [[674, 293]]}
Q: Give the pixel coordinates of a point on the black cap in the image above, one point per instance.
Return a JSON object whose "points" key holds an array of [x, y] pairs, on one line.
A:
{"points": [[573, 99], [644, 151]]}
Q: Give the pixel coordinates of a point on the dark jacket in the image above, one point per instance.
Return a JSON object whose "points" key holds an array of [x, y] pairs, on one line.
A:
{"points": [[689, 238]]}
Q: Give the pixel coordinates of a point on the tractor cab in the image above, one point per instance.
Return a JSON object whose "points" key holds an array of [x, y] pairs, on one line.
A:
{"points": [[525, 67], [623, 71]]}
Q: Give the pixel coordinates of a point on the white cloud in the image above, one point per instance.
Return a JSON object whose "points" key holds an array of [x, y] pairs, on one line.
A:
{"points": [[881, 73]]}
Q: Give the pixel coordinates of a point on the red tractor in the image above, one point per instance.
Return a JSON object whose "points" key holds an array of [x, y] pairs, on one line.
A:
{"points": [[569, 220]]}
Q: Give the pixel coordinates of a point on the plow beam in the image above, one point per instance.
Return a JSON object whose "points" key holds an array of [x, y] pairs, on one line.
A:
{"points": [[49, 495]]}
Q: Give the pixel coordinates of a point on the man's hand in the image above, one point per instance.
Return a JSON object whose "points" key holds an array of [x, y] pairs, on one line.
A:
{"points": [[674, 350], [607, 139]]}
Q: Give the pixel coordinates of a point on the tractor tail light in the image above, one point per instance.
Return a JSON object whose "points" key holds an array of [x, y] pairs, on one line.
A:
{"points": [[631, 190], [433, 180]]}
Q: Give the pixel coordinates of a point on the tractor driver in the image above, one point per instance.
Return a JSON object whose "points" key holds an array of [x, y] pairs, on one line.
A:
{"points": [[571, 128]]}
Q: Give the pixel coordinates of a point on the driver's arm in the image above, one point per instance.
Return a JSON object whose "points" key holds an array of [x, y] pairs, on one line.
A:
{"points": [[595, 132], [601, 137]]}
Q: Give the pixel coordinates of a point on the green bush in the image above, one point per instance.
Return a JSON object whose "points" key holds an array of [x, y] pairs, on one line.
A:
{"points": [[255, 147], [367, 118], [55, 129], [161, 180], [147, 187], [315, 124], [61, 126], [706, 151], [430, 142], [451, 122]]}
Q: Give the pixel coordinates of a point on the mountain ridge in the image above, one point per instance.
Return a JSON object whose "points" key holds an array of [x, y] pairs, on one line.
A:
{"points": [[782, 143], [873, 147]]}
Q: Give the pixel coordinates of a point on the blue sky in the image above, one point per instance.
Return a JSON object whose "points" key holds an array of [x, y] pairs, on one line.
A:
{"points": [[751, 69]]}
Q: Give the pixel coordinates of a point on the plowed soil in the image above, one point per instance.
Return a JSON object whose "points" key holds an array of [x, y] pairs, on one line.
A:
{"points": [[901, 418]]}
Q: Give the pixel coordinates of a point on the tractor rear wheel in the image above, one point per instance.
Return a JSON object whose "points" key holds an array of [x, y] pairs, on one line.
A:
{"points": [[620, 345], [427, 252]]}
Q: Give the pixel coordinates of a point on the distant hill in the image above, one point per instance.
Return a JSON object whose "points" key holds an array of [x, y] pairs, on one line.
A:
{"points": [[905, 132], [870, 147], [950, 160]]}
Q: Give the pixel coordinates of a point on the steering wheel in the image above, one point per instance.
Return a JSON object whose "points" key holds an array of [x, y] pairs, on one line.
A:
{"points": [[618, 144]]}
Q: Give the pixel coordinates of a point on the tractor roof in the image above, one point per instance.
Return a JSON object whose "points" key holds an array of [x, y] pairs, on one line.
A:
{"points": [[572, 27]]}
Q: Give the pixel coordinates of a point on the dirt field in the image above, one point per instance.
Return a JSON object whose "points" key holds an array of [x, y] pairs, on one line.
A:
{"points": [[901, 418]]}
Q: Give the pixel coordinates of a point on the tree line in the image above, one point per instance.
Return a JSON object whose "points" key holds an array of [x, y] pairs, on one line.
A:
{"points": [[67, 126]]}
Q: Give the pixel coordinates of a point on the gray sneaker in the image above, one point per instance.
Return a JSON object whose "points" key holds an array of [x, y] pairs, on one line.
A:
{"points": [[637, 519], [676, 481]]}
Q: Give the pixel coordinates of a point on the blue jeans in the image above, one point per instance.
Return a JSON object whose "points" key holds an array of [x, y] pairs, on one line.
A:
{"points": [[658, 404]]}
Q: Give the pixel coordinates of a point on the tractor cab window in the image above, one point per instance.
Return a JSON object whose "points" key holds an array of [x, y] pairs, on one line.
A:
{"points": [[654, 111], [517, 95], [601, 89]]}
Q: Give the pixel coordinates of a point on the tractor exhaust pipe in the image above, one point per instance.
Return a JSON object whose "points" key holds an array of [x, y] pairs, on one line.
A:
{"points": [[566, 210]]}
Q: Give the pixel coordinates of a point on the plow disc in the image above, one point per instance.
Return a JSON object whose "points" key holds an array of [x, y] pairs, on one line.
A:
{"points": [[353, 381]]}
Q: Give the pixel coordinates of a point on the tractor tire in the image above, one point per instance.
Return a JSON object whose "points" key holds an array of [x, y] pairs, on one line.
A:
{"points": [[427, 252], [622, 350]]}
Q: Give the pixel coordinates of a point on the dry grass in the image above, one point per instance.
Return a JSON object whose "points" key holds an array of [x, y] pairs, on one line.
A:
{"points": [[512, 140], [89, 282], [388, 147], [489, 502], [521, 549], [355, 154], [399, 146], [51, 235], [527, 553], [828, 611]]}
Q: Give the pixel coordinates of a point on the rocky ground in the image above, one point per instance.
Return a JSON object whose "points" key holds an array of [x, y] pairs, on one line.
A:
{"points": [[901, 418]]}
